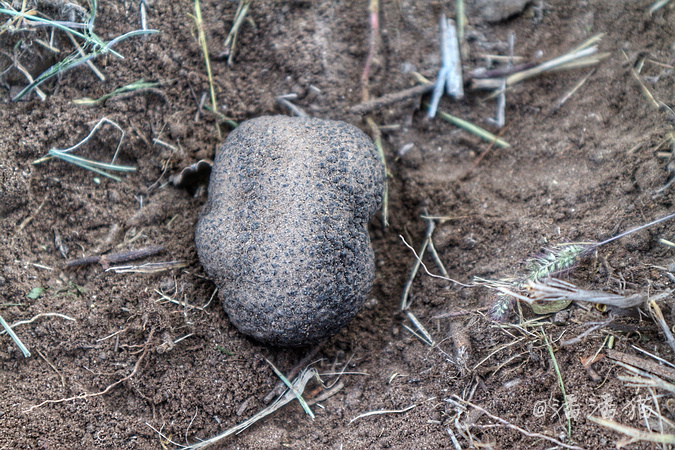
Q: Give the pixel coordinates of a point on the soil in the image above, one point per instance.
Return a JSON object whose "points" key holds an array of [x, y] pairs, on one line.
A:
{"points": [[132, 363]]}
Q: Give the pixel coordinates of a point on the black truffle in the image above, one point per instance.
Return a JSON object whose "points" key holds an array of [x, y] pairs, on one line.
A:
{"points": [[284, 232]]}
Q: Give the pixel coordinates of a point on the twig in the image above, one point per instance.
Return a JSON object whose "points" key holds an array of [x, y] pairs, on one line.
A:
{"points": [[327, 393], [641, 363], [109, 388], [582, 56], [231, 40], [559, 104], [374, 12], [39, 316], [116, 258], [295, 109], [658, 358], [657, 315], [382, 411], [517, 428], [431, 225], [377, 139], [156, 267], [454, 85], [63, 379], [431, 274], [425, 334], [29, 219], [596, 326], [390, 99]]}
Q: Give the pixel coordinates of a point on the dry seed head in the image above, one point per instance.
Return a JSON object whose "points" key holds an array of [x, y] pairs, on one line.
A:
{"points": [[555, 261], [501, 308]]}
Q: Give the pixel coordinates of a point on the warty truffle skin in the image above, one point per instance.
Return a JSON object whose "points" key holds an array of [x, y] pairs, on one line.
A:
{"points": [[284, 231]]}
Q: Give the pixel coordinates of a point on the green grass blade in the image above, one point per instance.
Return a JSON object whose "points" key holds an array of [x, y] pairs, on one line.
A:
{"points": [[475, 129], [302, 401], [15, 338], [75, 60], [560, 380], [135, 86]]}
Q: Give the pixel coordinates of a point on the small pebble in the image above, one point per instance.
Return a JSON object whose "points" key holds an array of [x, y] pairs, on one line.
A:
{"points": [[284, 233]]}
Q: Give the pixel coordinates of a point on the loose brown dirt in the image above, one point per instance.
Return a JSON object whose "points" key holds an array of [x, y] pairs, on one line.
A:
{"points": [[585, 173]]}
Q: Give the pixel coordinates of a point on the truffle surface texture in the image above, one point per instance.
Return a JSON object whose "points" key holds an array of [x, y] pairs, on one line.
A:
{"points": [[284, 233]]}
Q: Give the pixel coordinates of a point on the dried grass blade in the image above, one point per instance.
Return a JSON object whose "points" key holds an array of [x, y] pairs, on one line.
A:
{"points": [[634, 433], [290, 395]]}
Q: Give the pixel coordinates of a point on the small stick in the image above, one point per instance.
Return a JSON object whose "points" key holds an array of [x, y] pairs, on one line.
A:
{"points": [[390, 99], [559, 104], [326, 394], [560, 381], [517, 428], [149, 267], [429, 273], [657, 314], [109, 388], [501, 72], [115, 258], [425, 334], [63, 380], [39, 316], [29, 77], [437, 258], [450, 75], [377, 139], [374, 10], [634, 433], [382, 411], [207, 60], [449, 315], [461, 344], [231, 40], [295, 109], [29, 219], [89, 63], [596, 326], [641, 363]]}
